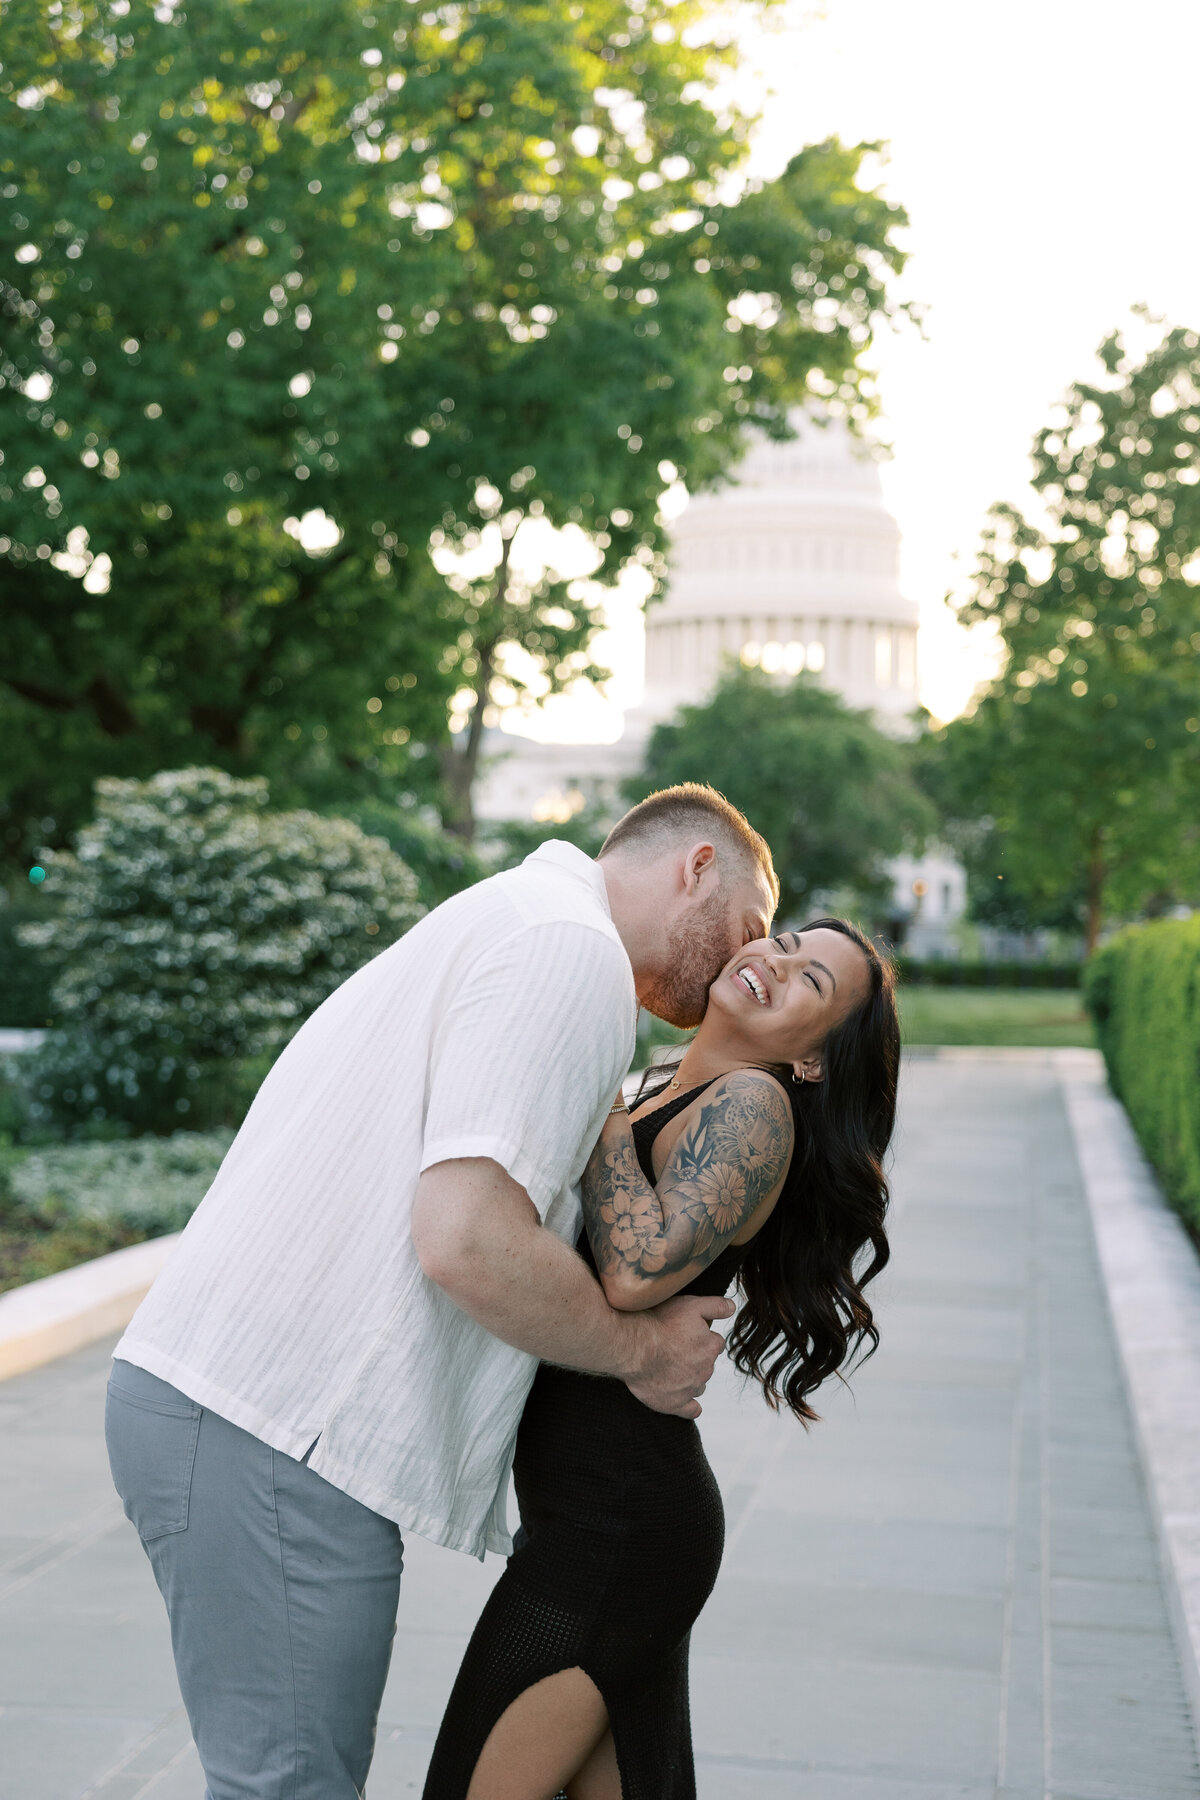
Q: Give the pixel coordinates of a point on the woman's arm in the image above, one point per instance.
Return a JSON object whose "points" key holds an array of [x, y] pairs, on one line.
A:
{"points": [[729, 1161]]}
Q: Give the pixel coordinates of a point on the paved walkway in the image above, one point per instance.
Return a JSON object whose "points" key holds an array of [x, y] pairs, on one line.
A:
{"points": [[948, 1591]]}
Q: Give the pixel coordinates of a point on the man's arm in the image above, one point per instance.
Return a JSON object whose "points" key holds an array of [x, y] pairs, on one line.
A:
{"points": [[478, 1236]]}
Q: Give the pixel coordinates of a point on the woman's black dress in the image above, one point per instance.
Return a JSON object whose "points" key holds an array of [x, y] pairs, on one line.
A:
{"points": [[621, 1536]]}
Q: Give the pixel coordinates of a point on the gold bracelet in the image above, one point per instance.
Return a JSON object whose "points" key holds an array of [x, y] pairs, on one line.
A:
{"points": [[618, 1106]]}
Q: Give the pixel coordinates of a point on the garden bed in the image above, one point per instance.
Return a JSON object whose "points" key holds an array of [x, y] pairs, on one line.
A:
{"points": [[67, 1203]]}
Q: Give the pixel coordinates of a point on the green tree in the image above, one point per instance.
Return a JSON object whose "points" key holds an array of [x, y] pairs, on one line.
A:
{"points": [[512, 840], [407, 270], [1074, 786], [194, 929], [830, 792]]}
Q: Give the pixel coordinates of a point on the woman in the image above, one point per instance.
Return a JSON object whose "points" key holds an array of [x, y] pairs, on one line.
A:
{"points": [[760, 1158]]}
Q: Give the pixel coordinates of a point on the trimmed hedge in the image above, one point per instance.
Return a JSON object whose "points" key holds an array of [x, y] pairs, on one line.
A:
{"points": [[943, 972], [1143, 991]]}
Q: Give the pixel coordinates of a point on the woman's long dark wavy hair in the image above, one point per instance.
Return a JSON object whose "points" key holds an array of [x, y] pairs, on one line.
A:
{"points": [[804, 1313]]}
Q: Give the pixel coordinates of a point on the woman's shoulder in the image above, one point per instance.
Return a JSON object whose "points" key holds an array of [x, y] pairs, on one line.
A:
{"points": [[744, 1094], [744, 1115], [753, 1081]]}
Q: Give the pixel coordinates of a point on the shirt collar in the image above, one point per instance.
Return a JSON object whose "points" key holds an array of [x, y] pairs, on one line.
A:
{"points": [[574, 862]]}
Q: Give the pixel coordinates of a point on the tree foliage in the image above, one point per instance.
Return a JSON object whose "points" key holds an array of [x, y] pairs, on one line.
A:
{"points": [[830, 792], [1075, 783], [410, 270], [196, 928]]}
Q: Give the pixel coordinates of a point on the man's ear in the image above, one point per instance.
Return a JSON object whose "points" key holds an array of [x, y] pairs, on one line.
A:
{"points": [[809, 1068], [699, 863]]}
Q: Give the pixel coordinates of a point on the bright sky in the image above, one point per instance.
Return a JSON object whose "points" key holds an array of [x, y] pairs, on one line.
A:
{"points": [[1046, 153]]}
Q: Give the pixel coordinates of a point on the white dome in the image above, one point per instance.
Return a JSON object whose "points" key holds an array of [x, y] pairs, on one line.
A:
{"points": [[794, 565]]}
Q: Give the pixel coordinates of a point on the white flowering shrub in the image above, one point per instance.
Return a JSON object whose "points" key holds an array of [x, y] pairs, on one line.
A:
{"points": [[145, 1186], [196, 929]]}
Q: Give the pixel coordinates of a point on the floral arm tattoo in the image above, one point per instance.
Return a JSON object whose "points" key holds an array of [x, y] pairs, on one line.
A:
{"points": [[717, 1175]]}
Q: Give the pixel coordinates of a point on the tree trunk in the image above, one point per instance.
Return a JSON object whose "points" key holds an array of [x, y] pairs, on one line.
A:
{"points": [[1094, 916], [460, 767], [224, 726]]}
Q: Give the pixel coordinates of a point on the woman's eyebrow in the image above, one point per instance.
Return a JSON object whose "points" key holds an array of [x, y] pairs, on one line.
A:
{"points": [[797, 936]]}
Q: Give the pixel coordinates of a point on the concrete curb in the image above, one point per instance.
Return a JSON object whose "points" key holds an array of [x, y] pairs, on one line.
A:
{"points": [[1152, 1276], [46, 1319]]}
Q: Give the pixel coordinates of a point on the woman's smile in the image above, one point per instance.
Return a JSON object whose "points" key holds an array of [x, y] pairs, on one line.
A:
{"points": [[752, 980]]}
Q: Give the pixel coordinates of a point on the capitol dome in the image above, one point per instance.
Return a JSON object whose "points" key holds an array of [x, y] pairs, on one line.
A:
{"points": [[792, 566]]}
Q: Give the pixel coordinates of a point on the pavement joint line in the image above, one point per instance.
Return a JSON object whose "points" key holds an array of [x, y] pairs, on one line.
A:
{"points": [[1010, 1569], [1041, 1311], [34, 1557], [767, 1467], [1152, 1283], [83, 1542], [135, 1750], [180, 1756]]}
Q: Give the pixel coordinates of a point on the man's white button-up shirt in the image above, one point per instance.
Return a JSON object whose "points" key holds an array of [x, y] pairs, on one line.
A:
{"points": [[294, 1304]]}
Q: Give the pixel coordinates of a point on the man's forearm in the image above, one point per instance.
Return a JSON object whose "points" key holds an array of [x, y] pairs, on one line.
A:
{"points": [[480, 1239]]}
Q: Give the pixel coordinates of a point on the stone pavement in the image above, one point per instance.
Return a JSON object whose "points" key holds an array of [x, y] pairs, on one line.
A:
{"points": [[947, 1591]]}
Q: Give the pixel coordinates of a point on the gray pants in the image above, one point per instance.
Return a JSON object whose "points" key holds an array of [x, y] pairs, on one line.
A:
{"points": [[281, 1591]]}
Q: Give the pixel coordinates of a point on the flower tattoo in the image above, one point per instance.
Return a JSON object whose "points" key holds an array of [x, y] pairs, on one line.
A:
{"points": [[727, 1162]]}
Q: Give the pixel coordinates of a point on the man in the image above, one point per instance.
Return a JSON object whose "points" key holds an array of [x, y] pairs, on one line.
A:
{"points": [[342, 1343]]}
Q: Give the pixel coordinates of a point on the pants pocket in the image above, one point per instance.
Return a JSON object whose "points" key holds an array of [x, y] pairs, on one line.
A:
{"points": [[151, 1429]]}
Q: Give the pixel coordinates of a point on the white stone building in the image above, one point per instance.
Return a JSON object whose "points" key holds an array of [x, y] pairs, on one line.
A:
{"points": [[796, 567], [793, 566]]}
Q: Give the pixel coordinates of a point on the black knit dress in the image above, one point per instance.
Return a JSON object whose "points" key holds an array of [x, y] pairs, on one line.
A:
{"points": [[621, 1536]]}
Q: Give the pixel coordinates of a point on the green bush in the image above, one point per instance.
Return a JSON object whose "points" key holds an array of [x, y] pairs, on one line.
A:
{"points": [[65, 1205], [146, 1185], [443, 864], [1143, 991], [195, 930]]}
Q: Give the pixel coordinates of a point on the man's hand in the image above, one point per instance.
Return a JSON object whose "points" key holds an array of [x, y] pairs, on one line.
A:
{"points": [[678, 1353]]}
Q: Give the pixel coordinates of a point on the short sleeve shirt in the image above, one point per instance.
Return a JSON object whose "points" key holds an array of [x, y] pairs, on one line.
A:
{"points": [[294, 1304]]}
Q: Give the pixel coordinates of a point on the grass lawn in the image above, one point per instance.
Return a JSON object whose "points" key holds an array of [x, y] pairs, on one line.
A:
{"points": [[1032, 1017]]}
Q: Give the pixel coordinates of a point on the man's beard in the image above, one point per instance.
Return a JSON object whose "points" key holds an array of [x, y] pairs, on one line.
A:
{"points": [[696, 954]]}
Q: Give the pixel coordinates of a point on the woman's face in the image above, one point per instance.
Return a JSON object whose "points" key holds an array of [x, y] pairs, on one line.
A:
{"points": [[777, 1000]]}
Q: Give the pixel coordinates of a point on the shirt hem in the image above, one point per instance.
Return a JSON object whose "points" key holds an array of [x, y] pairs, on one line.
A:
{"points": [[432, 1526]]}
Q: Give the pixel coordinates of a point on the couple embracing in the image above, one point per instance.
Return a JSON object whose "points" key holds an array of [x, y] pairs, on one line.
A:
{"points": [[441, 1247]]}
